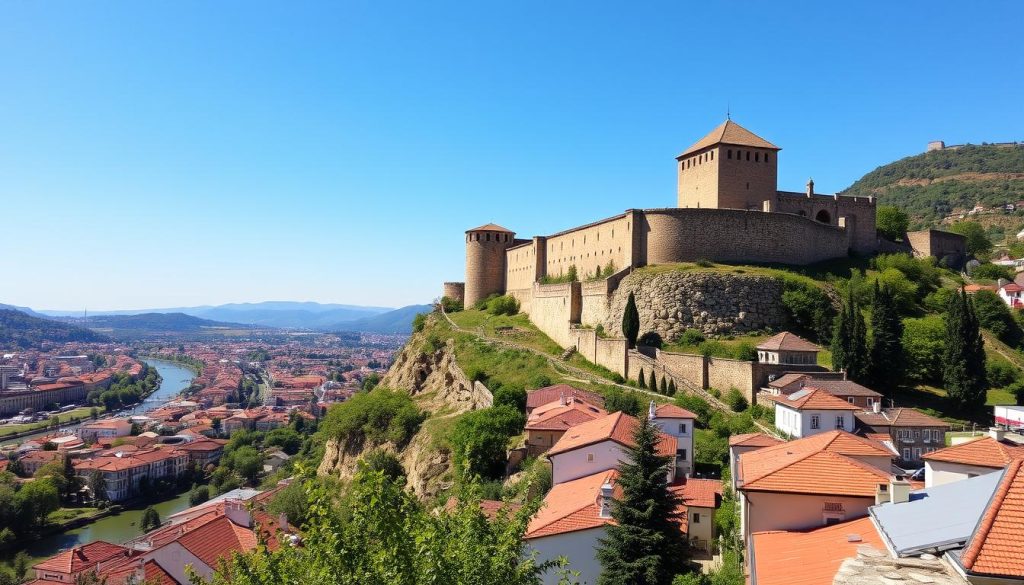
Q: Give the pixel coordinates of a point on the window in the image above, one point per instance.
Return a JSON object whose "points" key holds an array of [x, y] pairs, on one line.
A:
{"points": [[917, 433], [906, 453], [917, 453], [849, 399], [712, 155], [748, 155], [681, 453], [871, 401], [815, 421], [766, 157], [682, 428], [696, 518], [757, 157], [937, 435], [728, 154], [840, 422], [590, 457]]}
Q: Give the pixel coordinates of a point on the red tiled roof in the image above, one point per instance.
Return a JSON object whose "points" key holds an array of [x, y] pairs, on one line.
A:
{"points": [[560, 417], [217, 539], [984, 452], [571, 506], [810, 399], [549, 394], [729, 132], [753, 440], [673, 411], [810, 557], [156, 575], [900, 417], [787, 341], [490, 227], [701, 493], [618, 427], [994, 548], [80, 558]]}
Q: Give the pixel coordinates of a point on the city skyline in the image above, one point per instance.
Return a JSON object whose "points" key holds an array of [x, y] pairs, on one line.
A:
{"points": [[183, 155]]}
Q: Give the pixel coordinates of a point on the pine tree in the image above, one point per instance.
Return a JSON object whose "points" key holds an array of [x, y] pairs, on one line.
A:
{"points": [[664, 385], [645, 545], [963, 372], [641, 380], [652, 382], [631, 321], [886, 348]]}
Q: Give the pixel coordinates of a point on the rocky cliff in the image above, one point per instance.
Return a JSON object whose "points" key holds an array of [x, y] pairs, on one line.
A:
{"points": [[670, 302], [440, 388]]}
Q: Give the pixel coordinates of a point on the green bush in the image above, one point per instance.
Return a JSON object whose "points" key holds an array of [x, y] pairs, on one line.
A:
{"points": [[622, 400], [994, 315], [697, 406], [479, 440], [736, 400], [511, 396], [374, 417], [387, 463], [746, 351], [503, 305], [924, 342], [691, 337], [891, 222], [808, 307], [937, 300], [990, 271], [1001, 373], [419, 322], [451, 305]]}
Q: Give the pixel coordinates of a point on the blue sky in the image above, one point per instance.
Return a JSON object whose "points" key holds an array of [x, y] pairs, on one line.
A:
{"points": [[178, 153]]}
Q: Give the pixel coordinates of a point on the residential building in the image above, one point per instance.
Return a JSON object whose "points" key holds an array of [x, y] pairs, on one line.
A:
{"points": [[993, 552], [549, 394], [811, 411], [811, 557], [547, 423], [834, 384], [787, 349], [109, 428], [676, 422], [810, 482], [33, 460], [600, 445], [985, 455], [124, 472], [912, 432], [700, 497], [67, 565], [740, 444], [204, 452], [1012, 294]]}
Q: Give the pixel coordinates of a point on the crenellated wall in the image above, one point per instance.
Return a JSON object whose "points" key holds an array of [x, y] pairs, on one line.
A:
{"points": [[553, 308]]}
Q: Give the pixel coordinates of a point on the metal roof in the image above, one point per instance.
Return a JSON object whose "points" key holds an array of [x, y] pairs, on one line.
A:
{"points": [[936, 518]]}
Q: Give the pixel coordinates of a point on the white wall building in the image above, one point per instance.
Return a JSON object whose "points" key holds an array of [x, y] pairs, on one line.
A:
{"points": [[812, 411]]}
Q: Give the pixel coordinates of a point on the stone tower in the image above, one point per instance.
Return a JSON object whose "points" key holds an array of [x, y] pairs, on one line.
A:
{"points": [[730, 168], [485, 261]]}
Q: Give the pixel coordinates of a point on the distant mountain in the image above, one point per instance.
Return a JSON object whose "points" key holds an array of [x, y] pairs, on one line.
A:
{"points": [[157, 323], [398, 321], [19, 330], [302, 315], [936, 184], [25, 310]]}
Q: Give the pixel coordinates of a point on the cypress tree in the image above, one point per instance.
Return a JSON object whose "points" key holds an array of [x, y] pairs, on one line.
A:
{"points": [[631, 321], [672, 387], [840, 339], [641, 380], [886, 350], [857, 350], [645, 545], [652, 382], [664, 385], [963, 372]]}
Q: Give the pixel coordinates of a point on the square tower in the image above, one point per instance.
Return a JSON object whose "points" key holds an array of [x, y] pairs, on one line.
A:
{"points": [[730, 168]]}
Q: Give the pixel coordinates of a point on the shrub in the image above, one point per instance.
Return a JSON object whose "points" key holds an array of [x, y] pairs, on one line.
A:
{"points": [[641, 380], [736, 400], [503, 305], [746, 351], [703, 263], [621, 400], [374, 417], [480, 438], [992, 272], [419, 322], [511, 396], [651, 339], [891, 222], [1017, 389], [386, 463], [808, 307], [691, 337], [977, 240], [937, 300], [715, 392], [994, 315], [1001, 373], [924, 342], [450, 305]]}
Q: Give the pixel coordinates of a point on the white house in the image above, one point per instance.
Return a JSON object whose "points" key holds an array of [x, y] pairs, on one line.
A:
{"points": [[1012, 294], [812, 411], [986, 455], [677, 422], [599, 445], [110, 428]]}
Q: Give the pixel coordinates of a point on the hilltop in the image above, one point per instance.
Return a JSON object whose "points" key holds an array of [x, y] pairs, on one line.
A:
{"points": [[19, 330], [933, 185], [149, 324]]}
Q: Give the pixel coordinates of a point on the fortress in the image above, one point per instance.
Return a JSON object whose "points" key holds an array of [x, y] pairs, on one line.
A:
{"points": [[728, 209]]}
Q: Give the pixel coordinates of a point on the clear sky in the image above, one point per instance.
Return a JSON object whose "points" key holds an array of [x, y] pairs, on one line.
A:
{"points": [[192, 152]]}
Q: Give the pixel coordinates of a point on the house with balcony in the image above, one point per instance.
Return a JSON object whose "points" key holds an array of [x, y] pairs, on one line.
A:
{"points": [[912, 432]]}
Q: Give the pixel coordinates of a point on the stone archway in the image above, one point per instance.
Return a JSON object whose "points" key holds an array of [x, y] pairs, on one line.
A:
{"points": [[823, 216]]}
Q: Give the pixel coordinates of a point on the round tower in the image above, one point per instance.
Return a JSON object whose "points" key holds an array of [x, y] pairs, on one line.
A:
{"points": [[485, 261]]}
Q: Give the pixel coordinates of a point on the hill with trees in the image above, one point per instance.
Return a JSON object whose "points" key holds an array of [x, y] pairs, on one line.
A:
{"points": [[933, 185], [19, 330]]}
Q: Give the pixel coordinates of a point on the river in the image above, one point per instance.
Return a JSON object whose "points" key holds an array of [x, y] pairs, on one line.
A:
{"points": [[125, 525]]}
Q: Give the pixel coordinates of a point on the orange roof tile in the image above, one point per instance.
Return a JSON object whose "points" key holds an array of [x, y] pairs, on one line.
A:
{"points": [[994, 548], [753, 440], [549, 394], [490, 227], [618, 427], [673, 411], [217, 539], [729, 132], [818, 553], [155, 574], [80, 558], [571, 506], [811, 399], [559, 417], [701, 493], [820, 464], [984, 452], [787, 341]]}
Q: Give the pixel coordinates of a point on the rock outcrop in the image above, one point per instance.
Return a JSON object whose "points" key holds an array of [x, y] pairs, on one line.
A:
{"points": [[671, 302], [441, 389]]}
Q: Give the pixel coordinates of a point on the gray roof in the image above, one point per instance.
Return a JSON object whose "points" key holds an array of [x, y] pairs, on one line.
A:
{"points": [[936, 518]]}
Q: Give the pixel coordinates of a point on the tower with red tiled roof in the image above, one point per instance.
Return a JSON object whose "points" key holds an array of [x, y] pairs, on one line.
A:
{"points": [[730, 168]]}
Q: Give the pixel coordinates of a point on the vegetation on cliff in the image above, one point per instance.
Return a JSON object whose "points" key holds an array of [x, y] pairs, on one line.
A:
{"points": [[932, 185]]}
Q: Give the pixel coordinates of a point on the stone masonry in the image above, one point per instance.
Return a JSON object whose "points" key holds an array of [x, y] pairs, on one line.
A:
{"points": [[671, 302]]}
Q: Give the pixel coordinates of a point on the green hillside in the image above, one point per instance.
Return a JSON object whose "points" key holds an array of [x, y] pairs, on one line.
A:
{"points": [[21, 331], [933, 185]]}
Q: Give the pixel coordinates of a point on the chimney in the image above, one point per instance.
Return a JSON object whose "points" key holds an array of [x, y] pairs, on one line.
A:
{"points": [[899, 490], [651, 411], [605, 500], [561, 398], [997, 433], [882, 494], [876, 407], [810, 187]]}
